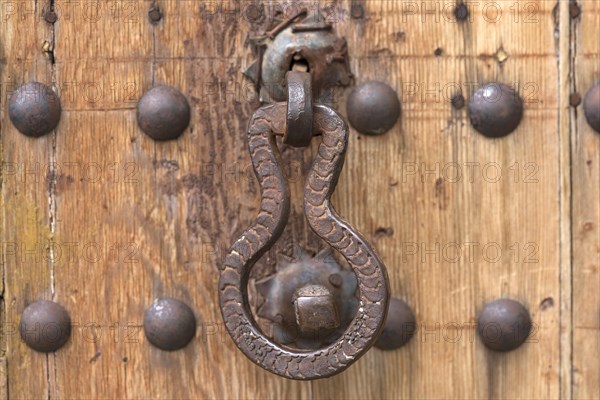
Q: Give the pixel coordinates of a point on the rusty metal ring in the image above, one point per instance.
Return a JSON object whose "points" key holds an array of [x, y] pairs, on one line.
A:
{"points": [[299, 113], [370, 271]]}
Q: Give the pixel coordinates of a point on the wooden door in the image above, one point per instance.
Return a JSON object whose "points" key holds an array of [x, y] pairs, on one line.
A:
{"points": [[102, 219]]}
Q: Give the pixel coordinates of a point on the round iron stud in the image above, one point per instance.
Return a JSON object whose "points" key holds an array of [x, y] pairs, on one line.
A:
{"points": [[400, 326], [34, 109], [504, 324], [169, 324], [45, 326], [591, 107], [495, 110], [163, 113], [373, 108]]}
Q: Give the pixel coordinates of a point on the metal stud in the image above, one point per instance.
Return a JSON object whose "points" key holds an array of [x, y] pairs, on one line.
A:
{"points": [[155, 14], [495, 110], [169, 324], [591, 107], [45, 326], [163, 113], [357, 11], [461, 12], [504, 324], [34, 109], [373, 108], [457, 101], [399, 328], [574, 10], [574, 99], [50, 16]]}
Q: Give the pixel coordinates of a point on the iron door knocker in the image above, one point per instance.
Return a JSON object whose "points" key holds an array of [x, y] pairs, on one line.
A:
{"points": [[292, 119]]}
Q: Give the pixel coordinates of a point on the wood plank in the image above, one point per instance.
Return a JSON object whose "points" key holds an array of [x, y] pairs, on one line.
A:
{"points": [[585, 174], [156, 202], [26, 211], [405, 181], [563, 21], [100, 173], [3, 379]]}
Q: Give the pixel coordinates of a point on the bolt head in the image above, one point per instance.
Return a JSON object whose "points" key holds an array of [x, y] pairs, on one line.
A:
{"points": [[591, 107], [316, 313], [169, 324], [163, 113], [45, 326], [373, 108], [495, 110], [34, 109], [504, 324], [399, 328]]}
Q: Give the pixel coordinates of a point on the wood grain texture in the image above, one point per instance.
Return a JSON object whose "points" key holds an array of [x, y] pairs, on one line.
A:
{"points": [[27, 266], [433, 212], [130, 219], [563, 21], [585, 173], [162, 227]]}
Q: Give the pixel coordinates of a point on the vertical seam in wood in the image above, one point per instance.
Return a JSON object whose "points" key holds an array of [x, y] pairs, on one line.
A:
{"points": [[52, 210], [572, 115], [3, 362], [154, 144], [565, 202], [53, 171], [153, 65], [49, 394], [3, 378]]}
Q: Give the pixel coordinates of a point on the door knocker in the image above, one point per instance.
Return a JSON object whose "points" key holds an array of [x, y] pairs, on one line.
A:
{"points": [[292, 119], [302, 57]]}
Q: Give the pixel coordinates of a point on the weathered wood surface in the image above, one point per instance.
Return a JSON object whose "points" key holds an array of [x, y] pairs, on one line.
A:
{"points": [[585, 221], [130, 219]]}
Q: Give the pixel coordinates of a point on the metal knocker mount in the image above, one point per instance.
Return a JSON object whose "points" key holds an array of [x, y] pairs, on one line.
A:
{"points": [[298, 120]]}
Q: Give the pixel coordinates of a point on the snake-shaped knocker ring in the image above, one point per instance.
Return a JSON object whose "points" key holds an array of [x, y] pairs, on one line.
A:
{"points": [[298, 120]]}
